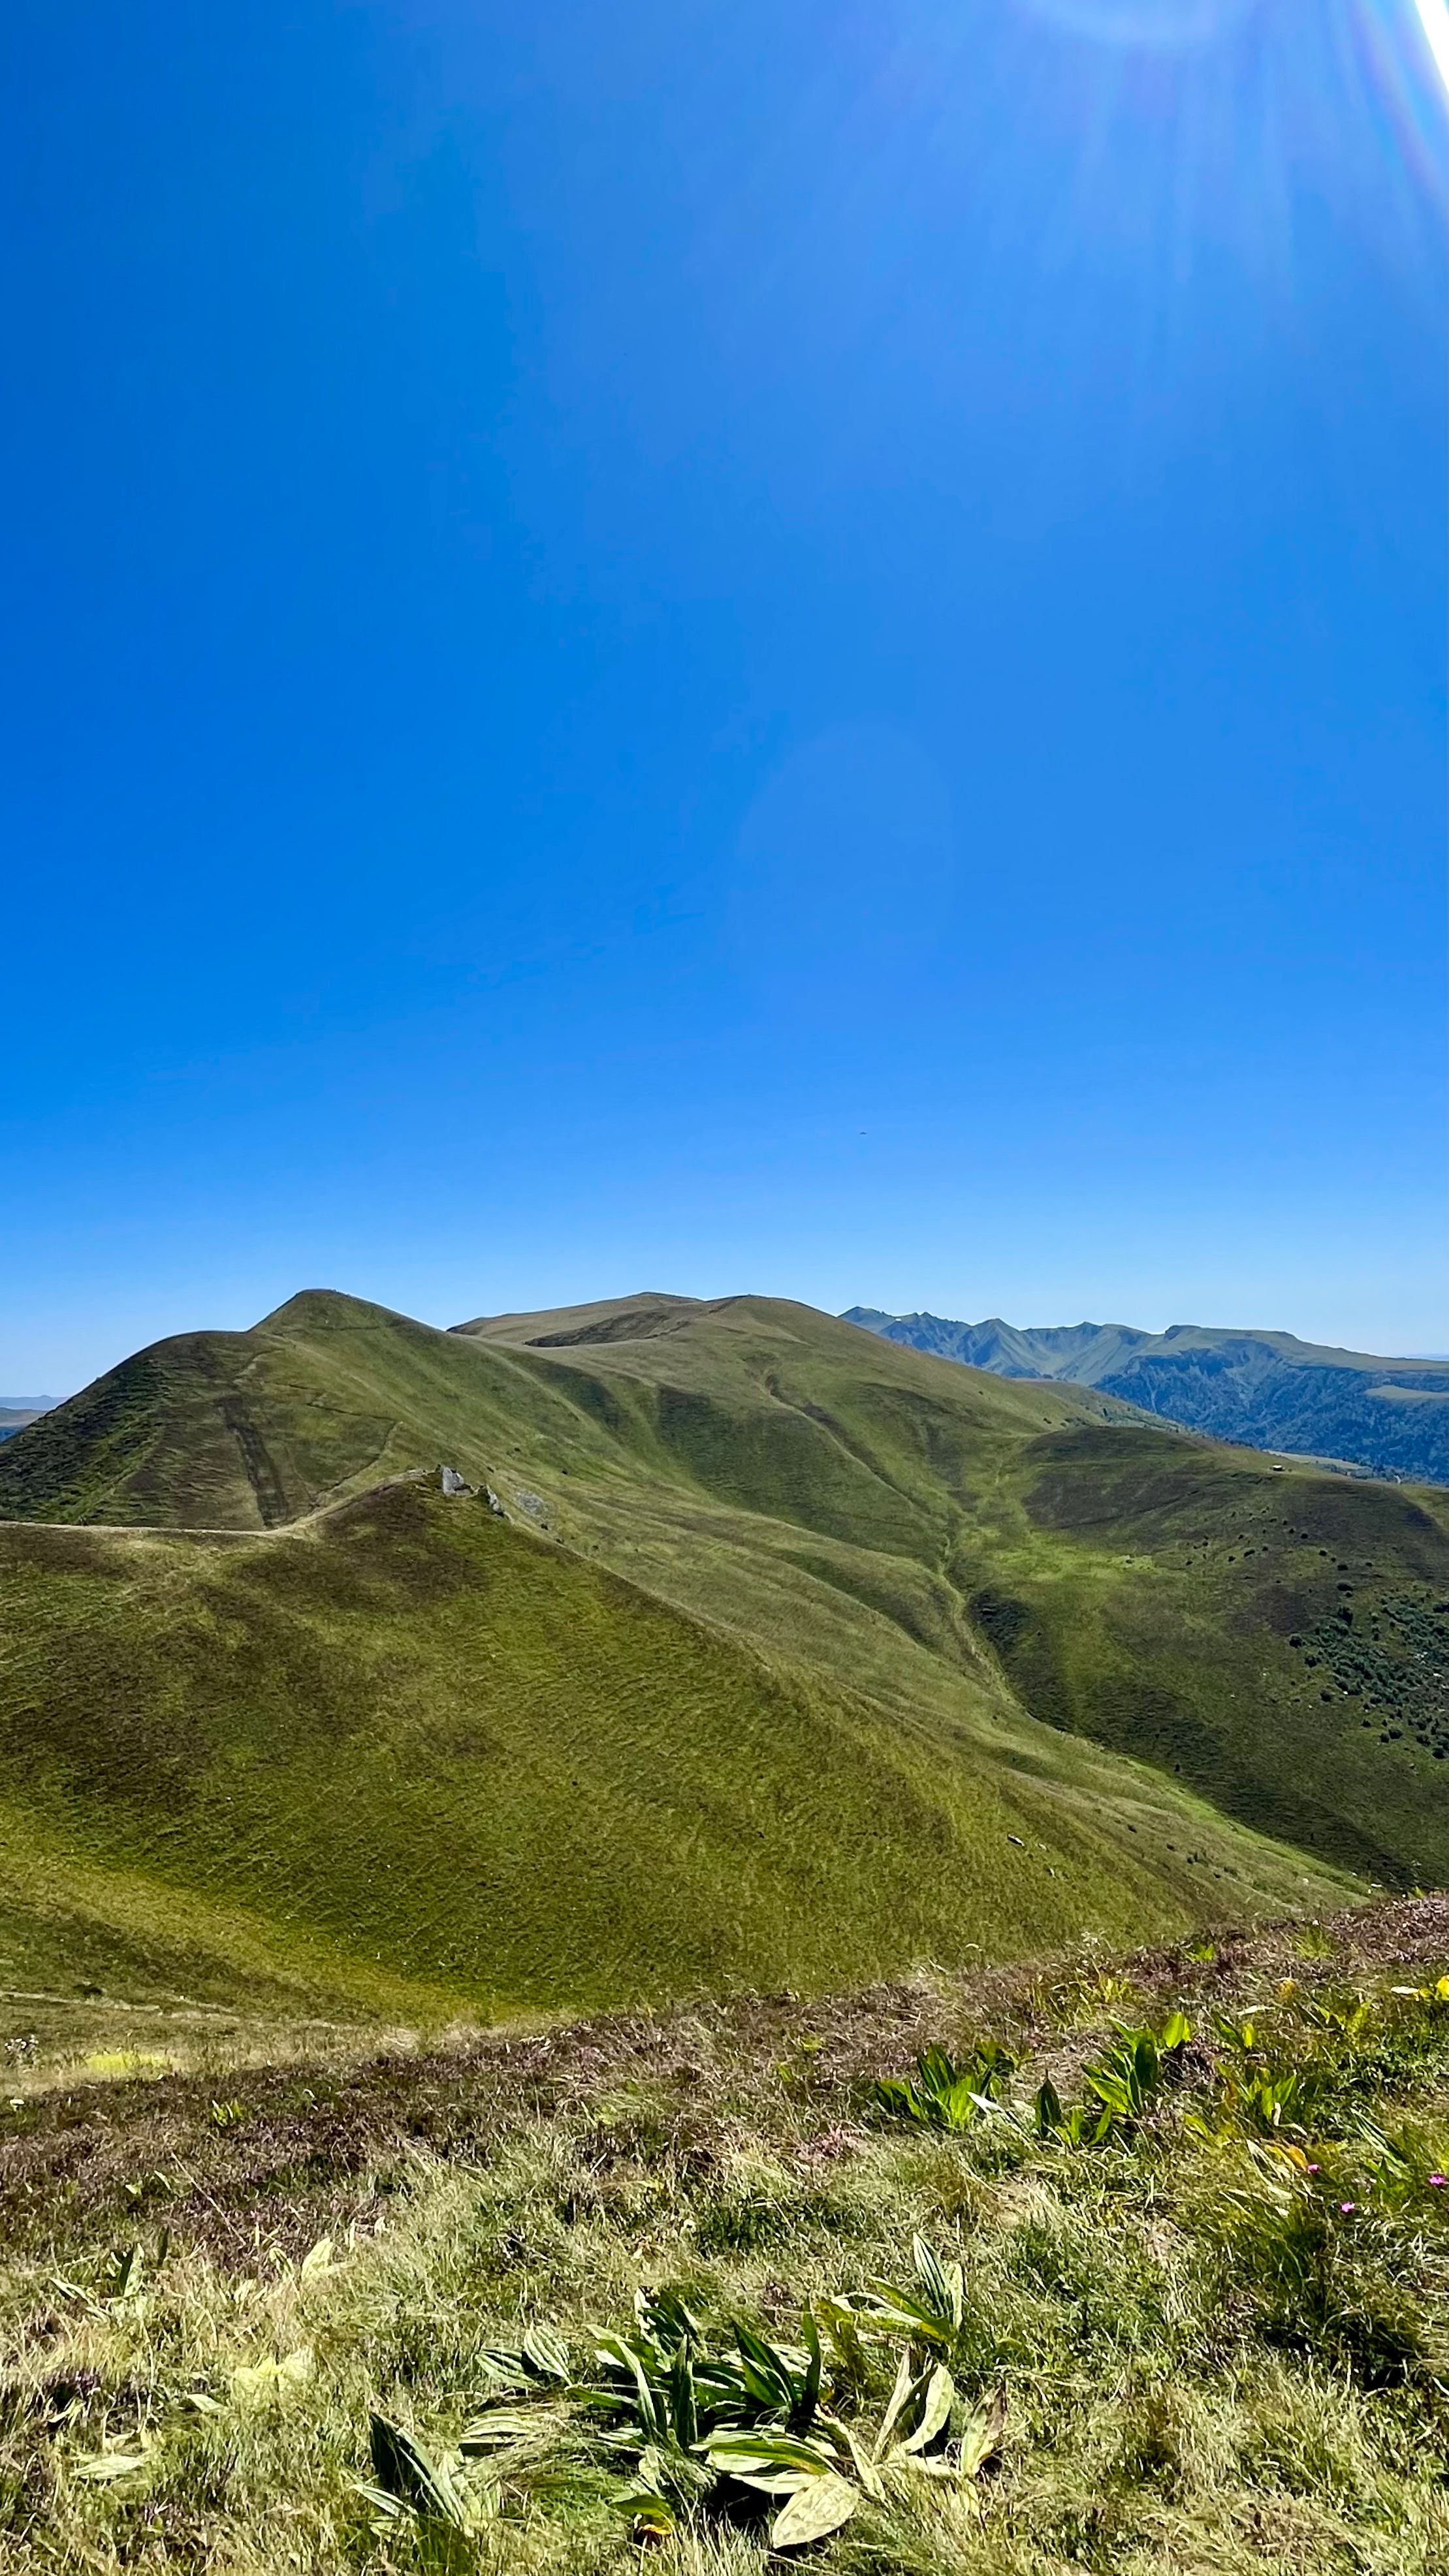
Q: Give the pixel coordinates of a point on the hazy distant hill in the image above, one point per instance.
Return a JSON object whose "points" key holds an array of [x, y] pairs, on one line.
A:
{"points": [[17, 1410], [1268, 1389], [792, 1657]]}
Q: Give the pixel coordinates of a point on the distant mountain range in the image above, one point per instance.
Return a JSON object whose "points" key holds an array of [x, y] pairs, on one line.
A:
{"points": [[1389, 1417], [17, 1410]]}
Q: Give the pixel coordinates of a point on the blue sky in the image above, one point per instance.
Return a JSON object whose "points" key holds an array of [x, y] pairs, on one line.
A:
{"points": [[688, 644]]}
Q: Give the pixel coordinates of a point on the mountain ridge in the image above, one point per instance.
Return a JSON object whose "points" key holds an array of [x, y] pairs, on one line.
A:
{"points": [[1265, 1389]]}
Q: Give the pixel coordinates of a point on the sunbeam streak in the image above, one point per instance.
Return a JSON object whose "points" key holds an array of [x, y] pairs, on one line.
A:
{"points": [[1434, 18], [1159, 26]]}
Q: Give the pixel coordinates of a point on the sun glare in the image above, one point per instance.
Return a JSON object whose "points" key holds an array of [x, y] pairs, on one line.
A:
{"points": [[1434, 17]]}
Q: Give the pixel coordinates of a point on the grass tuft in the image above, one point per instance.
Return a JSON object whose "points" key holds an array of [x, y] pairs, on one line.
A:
{"points": [[1174, 2348]]}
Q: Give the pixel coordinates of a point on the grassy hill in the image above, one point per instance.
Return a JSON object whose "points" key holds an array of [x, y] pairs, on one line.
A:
{"points": [[428, 1760], [796, 1656]]}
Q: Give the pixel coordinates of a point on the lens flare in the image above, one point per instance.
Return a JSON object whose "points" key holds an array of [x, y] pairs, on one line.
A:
{"points": [[1392, 55], [1434, 17]]}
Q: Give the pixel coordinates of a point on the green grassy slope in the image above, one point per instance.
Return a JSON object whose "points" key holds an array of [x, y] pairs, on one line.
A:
{"points": [[787, 1633], [420, 1759], [250, 1430], [1132, 1585], [1279, 1639]]}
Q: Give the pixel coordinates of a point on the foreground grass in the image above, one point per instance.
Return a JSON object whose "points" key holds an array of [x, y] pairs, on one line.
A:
{"points": [[1220, 2340]]}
